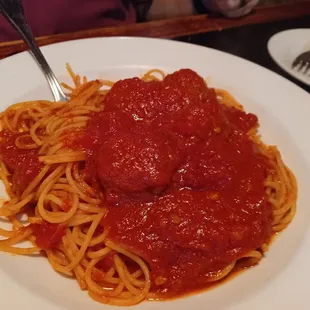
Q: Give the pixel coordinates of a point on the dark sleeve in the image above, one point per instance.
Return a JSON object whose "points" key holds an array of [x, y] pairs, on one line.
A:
{"points": [[142, 7], [200, 7]]}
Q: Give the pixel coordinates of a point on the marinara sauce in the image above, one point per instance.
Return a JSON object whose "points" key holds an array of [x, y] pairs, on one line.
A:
{"points": [[182, 181]]}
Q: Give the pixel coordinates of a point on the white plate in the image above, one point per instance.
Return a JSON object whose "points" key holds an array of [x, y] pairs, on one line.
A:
{"points": [[281, 281], [285, 46]]}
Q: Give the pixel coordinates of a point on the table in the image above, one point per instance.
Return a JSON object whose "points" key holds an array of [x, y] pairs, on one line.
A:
{"points": [[250, 42], [246, 37]]}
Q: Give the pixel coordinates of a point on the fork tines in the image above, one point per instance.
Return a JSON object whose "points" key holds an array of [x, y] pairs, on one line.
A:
{"points": [[302, 63]]}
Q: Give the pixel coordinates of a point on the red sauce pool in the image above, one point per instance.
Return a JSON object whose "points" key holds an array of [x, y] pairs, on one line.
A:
{"points": [[48, 236], [23, 163]]}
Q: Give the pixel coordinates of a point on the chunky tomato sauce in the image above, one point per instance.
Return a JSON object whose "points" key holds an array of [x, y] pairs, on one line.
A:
{"points": [[24, 166], [47, 235], [182, 181], [22, 163]]}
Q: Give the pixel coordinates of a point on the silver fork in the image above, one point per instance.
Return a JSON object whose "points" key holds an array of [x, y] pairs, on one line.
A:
{"points": [[13, 11], [302, 62]]}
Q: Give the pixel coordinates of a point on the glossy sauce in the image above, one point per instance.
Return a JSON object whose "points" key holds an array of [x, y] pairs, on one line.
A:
{"points": [[47, 235], [22, 163], [182, 181]]}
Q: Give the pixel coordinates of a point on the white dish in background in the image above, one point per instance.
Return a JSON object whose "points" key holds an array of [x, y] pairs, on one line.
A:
{"points": [[281, 281], [285, 46]]}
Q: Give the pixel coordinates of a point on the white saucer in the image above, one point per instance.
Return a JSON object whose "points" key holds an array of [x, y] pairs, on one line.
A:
{"points": [[285, 46]]}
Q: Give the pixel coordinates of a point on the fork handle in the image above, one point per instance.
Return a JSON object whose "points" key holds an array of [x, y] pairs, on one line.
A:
{"points": [[13, 11]]}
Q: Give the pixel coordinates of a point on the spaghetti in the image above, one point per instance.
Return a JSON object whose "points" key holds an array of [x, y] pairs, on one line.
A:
{"points": [[83, 233]]}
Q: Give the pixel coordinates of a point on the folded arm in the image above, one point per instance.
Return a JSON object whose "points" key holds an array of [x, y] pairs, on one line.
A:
{"points": [[161, 9]]}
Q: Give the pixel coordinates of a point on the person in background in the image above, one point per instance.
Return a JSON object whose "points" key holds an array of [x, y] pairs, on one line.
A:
{"points": [[60, 16], [172, 8]]}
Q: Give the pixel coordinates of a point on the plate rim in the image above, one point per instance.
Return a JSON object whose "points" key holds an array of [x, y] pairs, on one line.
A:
{"points": [[135, 38]]}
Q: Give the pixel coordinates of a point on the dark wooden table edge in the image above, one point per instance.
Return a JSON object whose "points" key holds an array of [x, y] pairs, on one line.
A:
{"points": [[172, 28]]}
